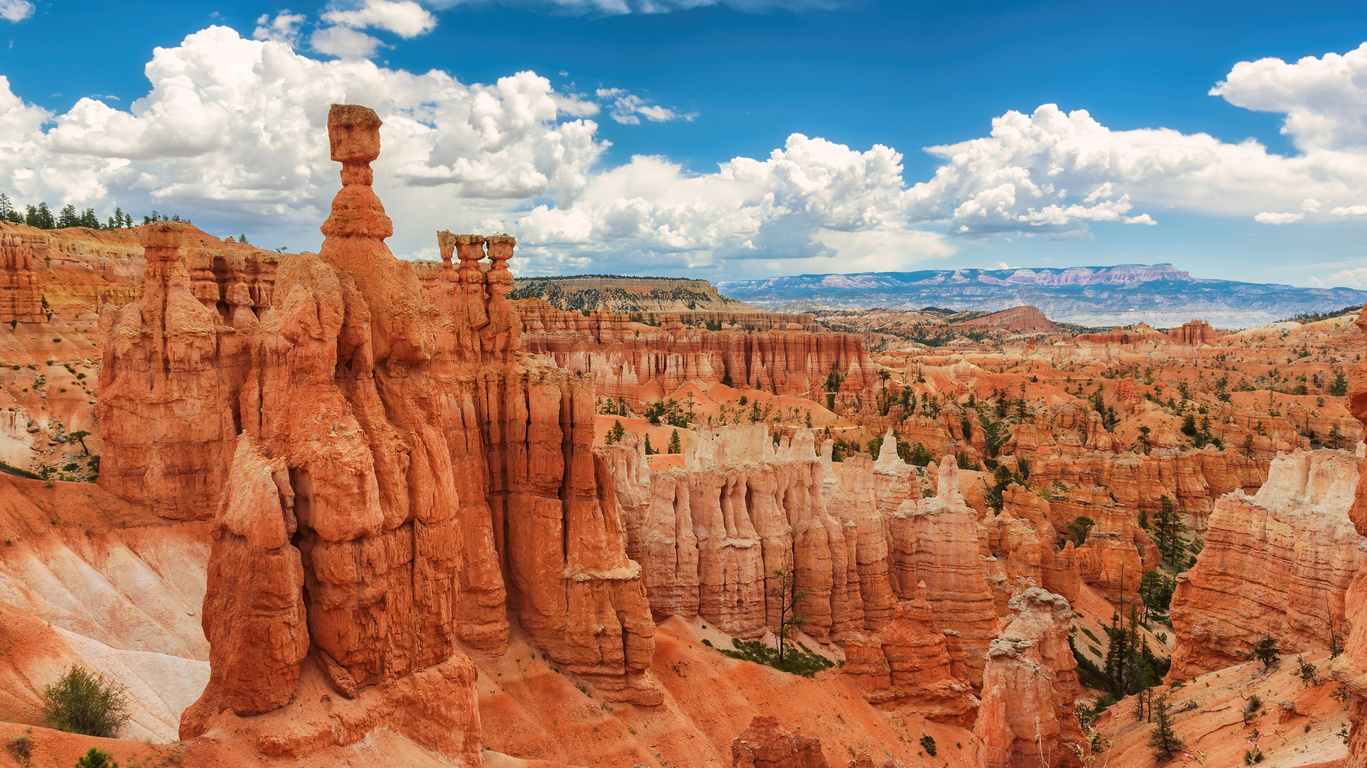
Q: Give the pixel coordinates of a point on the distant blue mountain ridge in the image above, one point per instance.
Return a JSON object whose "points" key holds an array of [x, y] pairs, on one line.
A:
{"points": [[1158, 294]]}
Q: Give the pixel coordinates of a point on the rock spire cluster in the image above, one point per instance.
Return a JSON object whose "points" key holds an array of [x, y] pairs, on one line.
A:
{"points": [[391, 481]]}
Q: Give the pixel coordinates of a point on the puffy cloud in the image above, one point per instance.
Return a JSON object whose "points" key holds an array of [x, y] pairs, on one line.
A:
{"points": [[1349, 210], [1052, 172], [15, 10], [284, 28], [232, 135], [344, 43], [1324, 99], [404, 18], [1278, 218], [628, 108], [813, 205], [343, 36]]}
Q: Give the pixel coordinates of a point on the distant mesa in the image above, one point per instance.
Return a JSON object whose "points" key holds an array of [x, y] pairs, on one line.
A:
{"points": [[1158, 294]]}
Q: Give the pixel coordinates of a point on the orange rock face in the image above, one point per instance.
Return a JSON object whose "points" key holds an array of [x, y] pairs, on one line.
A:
{"points": [[395, 462], [1278, 562], [1029, 688], [765, 745], [937, 540], [1350, 668], [910, 663], [21, 290], [1194, 333], [642, 363]]}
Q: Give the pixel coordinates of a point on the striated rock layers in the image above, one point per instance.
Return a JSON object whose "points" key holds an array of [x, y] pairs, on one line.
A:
{"points": [[909, 662], [858, 537], [1190, 479], [1277, 562], [1030, 688], [393, 478], [1350, 668], [21, 290], [638, 362]]}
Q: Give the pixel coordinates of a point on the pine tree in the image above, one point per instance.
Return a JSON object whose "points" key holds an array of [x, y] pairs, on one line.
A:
{"points": [[1167, 532], [649, 450], [1266, 651], [242, 238], [675, 444], [1164, 742], [616, 432], [6, 208], [68, 217], [789, 618]]}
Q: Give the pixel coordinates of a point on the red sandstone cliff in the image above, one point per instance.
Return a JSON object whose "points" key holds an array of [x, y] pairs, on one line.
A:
{"points": [[21, 290], [638, 362], [1278, 562]]}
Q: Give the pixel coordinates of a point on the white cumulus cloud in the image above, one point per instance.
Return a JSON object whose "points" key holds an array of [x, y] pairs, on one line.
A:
{"points": [[232, 134], [282, 28], [15, 10], [344, 43], [404, 18], [1278, 218], [1054, 172], [628, 108]]}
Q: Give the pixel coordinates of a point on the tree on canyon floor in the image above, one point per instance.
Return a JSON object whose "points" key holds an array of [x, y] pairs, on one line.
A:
{"points": [[675, 445], [616, 433], [1164, 742], [789, 596], [1155, 590], [1266, 651], [1166, 531]]}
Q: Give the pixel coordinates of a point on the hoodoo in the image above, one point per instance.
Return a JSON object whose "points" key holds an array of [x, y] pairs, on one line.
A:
{"points": [[371, 532]]}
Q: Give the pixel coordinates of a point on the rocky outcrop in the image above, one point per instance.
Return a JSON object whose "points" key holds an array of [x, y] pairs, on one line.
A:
{"points": [[765, 745], [710, 535], [1021, 319], [21, 289], [256, 628], [910, 663], [936, 541], [434, 486], [1029, 689], [1194, 334], [1350, 668], [1191, 479], [643, 363], [1278, 562], [168, 408]]}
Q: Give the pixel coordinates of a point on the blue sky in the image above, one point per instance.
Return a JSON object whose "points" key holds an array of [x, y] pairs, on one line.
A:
{"points": [[724, 140]]}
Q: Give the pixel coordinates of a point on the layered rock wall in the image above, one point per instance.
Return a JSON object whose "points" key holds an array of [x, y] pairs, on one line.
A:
{"points": [[642, 363], [1278, 562], [1350, 668], [21, 290]]}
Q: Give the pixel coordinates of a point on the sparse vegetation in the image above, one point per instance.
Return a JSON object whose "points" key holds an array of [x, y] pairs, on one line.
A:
{"points": [[83, 702]]}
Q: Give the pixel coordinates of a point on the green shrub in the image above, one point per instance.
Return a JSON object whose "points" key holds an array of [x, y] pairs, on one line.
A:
{"points": [[21, 746], [928, 744], [798, 659], [96, 759], [83, 702]]}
